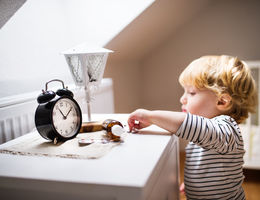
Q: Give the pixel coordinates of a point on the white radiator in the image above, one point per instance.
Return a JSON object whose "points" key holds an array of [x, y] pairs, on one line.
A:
{"points": [[17, 112]]}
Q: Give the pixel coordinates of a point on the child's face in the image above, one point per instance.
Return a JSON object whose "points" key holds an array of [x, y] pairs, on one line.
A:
{"points": [[201, 102]]}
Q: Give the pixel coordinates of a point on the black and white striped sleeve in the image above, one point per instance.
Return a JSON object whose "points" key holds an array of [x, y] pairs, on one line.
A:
{"points": [[220, 133]]}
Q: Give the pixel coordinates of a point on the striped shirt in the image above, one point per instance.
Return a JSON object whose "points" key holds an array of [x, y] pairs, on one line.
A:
{"points": [[214, 158]]}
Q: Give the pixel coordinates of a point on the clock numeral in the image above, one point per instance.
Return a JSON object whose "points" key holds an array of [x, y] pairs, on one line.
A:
{"points": [[61, 104]]}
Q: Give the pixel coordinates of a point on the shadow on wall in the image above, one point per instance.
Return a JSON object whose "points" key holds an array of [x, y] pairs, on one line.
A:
{"points": [[135, 45], [148, 77]]}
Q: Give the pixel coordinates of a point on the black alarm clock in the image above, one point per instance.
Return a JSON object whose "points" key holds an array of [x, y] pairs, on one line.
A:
{"points": [[58, 116]]}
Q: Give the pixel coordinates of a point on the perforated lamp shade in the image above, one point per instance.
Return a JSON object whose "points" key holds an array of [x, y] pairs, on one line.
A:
{"points": [[87, 66]]}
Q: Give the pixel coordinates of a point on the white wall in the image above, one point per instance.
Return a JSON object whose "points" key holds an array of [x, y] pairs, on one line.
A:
{"points": [[31, 41]]}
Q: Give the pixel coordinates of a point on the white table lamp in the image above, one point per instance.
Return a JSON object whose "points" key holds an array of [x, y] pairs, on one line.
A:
{"points": [[87, 65]]}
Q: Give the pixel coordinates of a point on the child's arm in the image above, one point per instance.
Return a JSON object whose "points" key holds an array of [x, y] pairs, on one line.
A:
{"points": [[167, 120], [224, 137]]}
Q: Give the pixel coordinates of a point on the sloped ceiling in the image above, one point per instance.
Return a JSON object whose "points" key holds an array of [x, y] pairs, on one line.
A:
{"points": [[152, 27]]}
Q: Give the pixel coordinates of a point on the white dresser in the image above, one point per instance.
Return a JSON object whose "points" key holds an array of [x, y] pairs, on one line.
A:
{"points": [[145, 166]]}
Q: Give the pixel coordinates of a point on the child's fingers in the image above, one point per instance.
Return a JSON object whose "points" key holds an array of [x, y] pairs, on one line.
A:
{"points": [[133, 124], [182, 187]]}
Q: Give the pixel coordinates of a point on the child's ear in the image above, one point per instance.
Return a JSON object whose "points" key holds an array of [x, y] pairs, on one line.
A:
{"points": [[224, 102]]}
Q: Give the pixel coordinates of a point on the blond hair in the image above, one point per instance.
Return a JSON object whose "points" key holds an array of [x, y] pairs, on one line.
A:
{"points": [[224, 75]]}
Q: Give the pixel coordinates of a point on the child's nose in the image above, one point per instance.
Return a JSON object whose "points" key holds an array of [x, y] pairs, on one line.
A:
{"points": [[183, 99]]}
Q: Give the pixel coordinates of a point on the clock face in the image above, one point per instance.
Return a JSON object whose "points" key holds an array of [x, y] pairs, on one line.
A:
{"points": [[66, 117]]}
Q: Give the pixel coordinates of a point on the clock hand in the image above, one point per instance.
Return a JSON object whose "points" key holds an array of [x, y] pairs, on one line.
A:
{"points": [[68, 112], [64, 117]]}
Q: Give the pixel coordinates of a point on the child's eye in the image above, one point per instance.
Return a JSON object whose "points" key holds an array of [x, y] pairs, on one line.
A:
{"points": [[192, 93]]}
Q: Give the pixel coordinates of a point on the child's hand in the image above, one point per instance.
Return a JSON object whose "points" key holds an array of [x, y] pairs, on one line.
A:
{"points": [[182, 188], [139, 119]]}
